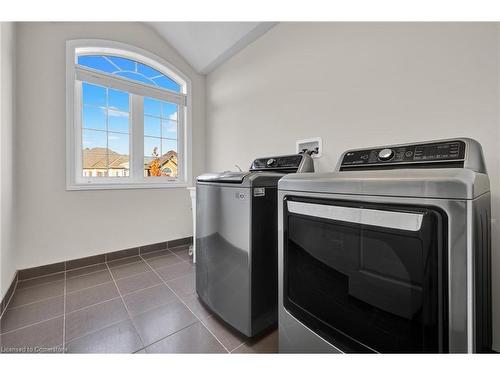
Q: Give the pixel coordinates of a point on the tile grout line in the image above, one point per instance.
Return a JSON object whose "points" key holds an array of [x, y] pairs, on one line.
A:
{"points": [[176, 278], [41, 284], [168, 265], [122, 265], [125, 305], [37, 301], [114, 298], [97, 330], [162, 281], [46, 275], [111, 299], [159, 256], [139, 261], [79, 268], [141, 289], [107, 282], [178, 256], [94, 304], [91, 265], [73, 269], [173, 333], [32, 324], [60, 315], [107, 269], [65, 292], [57, 273], [239, 346], [180, 251], [85, 274], [71, 312], [153, 252], [182, 301], [109, 325], [89, 287]]}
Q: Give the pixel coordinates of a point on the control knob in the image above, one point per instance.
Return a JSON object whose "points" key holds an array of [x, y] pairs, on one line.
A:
{"points": [[271, 162], [386, 154]]}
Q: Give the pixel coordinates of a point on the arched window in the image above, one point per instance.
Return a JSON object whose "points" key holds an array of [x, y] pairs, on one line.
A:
{"points": [[126, 68], [127, 117]]}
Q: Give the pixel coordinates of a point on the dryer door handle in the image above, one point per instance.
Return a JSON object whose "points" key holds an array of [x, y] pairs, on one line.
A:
{"points": [[364, 216]]}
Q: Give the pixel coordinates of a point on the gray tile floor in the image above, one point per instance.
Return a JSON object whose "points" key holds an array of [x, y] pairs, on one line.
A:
{"points": [[145, 304]]}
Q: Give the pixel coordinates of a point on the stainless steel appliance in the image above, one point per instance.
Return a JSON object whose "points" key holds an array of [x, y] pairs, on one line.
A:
{"points": [[236, 241], [390, 253]]}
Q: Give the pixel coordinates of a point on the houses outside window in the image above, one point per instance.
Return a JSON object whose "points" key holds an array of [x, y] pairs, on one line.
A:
{"points": [[128, 118]]}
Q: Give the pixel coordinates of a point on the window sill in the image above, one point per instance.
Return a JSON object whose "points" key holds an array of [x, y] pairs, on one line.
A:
{"points": [[120, 186]]}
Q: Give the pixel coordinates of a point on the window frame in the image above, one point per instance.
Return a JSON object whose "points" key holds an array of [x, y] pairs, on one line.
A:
{"points": [[75, 75]]}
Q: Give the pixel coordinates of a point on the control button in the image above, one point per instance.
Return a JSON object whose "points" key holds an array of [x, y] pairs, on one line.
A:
{"points": [[408, 154], [271, 162], [386, 154], [364, 157]]}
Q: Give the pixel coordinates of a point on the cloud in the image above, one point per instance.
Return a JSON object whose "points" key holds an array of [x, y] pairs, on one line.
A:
{"points": [[172, 127], [114, 113], [173, 116]]}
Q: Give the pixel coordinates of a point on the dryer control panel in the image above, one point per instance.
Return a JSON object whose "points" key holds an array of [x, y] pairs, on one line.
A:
{"points": [[445, 154]]}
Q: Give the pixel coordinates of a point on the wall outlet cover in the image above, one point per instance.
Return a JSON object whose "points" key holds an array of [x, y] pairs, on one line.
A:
{"points": [[310, 144]]}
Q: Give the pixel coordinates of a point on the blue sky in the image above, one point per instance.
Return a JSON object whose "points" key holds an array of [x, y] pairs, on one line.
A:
{"points": [[99, 104], [130, 69]]}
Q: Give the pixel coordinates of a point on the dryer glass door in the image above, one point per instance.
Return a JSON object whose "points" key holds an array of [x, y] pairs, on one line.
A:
{"points": [[366, 277]]}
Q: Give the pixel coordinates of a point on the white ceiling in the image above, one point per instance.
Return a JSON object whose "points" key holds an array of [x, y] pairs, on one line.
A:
{"points": [[206, 45]]}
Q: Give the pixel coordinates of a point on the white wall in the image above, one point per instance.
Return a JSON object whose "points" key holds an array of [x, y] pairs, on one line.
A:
{"points": [[54, 224], [359, 85], [7, 252]]}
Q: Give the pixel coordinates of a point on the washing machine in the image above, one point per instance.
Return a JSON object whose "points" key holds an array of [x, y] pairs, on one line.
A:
{"points": [[236, 241], [388, 254]]}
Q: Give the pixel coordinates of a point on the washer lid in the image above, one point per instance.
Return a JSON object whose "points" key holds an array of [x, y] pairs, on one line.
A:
{"points": [[453, 183], [223, 177], [241, 179]]}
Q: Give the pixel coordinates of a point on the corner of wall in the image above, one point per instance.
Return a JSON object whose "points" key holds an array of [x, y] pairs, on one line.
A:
{"points": [[8, 264]]}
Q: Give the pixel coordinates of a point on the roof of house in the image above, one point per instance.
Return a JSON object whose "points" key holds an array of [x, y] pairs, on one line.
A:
{"points": [[97, 157], [170, 155]]}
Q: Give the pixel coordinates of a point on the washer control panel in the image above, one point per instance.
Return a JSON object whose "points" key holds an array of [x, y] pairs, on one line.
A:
{"points": [[400, 156], [277, 163]]}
